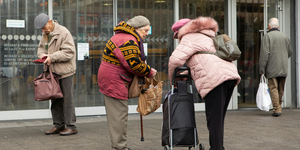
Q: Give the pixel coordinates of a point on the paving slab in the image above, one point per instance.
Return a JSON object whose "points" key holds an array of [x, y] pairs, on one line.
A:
{"points": [[244, 130]]}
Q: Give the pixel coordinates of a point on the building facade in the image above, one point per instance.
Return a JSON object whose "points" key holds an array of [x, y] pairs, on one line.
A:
{"points": [[91, 23]]}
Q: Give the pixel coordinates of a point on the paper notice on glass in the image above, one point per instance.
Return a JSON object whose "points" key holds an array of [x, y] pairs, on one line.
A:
{"points": [[145, 49], [83, 51], [15, 23]]}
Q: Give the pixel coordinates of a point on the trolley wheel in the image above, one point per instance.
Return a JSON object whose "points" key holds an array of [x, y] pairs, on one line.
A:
{"points": [[201, 146], [166, 147]]}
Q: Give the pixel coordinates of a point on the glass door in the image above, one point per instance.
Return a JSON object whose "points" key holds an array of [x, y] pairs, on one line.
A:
{"points": [[252, 22]]}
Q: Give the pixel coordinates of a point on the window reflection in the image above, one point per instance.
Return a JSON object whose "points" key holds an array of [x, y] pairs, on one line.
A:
{"points": [[250, 20], [194, 8], [17, 49], [89, 22], [160, 42]]}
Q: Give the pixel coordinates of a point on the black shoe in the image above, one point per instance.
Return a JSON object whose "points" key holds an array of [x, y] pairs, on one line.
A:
{"points": [[276, 114]]}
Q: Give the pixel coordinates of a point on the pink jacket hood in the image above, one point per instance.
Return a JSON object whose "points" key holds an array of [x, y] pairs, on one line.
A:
{"points": [[208, 71], [201, 24]]}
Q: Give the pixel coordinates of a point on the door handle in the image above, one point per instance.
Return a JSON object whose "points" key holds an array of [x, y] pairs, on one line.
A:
{"points": [[261, 33]]}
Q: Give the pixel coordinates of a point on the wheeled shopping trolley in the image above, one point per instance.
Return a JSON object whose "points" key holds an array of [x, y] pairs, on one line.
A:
{"points": [[179, 125]]}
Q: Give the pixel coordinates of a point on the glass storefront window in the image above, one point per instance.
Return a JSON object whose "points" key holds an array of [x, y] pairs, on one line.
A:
{"points": [[18, 42], [213, 8], [194, 8], [89, 22], [92, 22], [160, 41]]}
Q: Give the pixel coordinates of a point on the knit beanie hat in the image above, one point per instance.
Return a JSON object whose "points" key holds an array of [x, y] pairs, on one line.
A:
{"points": [[138, 21], [177, 25]]}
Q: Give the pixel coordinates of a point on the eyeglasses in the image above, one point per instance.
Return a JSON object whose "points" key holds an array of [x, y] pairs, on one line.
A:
{"points": [[145, 30]]}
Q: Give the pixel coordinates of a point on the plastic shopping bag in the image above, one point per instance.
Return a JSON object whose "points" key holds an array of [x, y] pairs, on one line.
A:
{"points": [[263, 99]]}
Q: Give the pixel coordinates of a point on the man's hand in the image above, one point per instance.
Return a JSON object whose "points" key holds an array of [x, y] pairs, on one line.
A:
{"points": [[47, 61], [154, 72], [43, 55]]}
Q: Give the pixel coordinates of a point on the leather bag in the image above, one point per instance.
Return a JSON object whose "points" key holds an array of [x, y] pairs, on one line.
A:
{"points": [[226, 49], [135, 86], [150, 96], [46, 86]]}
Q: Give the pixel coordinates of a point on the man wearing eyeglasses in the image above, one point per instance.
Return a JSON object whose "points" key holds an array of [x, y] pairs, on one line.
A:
{"points": [[123, 58], [57, 45]]}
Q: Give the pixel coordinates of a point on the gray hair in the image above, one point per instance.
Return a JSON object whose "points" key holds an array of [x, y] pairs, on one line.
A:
{"points": [[274, 23], [141, 28]]}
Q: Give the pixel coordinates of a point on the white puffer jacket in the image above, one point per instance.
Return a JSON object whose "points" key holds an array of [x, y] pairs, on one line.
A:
{"points": [[207, 70]]}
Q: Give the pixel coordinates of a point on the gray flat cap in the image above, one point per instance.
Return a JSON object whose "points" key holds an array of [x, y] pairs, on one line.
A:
{"points": [[138, 22], [41, 20]]}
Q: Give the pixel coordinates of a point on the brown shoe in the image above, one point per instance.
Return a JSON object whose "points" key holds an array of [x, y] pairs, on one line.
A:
{"points": [[54, 131], [68, 131]]}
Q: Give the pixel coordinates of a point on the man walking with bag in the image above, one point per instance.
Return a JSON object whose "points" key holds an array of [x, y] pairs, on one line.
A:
{"points": [[57, 45], [123, 58], [273, 62]]}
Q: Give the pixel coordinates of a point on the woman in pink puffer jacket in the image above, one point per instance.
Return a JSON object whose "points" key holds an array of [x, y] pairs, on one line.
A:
{"points": [[214, 77]]}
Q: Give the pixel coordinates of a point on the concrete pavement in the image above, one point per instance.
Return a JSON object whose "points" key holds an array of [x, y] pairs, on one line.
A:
{"points": [[244, 130]]}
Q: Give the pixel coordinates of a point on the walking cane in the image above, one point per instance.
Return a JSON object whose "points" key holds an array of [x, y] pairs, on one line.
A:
{"points": [[142, 134]]}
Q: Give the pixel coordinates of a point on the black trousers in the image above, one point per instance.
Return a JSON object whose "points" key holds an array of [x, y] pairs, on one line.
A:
{"points": [[216, 103]]}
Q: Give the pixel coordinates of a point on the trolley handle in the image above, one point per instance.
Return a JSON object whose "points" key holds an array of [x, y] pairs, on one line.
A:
{"points": [[175, 75], [182, 68]]}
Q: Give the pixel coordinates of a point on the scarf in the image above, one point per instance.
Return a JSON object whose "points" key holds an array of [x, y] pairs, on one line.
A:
{"points": [[141, 44]]}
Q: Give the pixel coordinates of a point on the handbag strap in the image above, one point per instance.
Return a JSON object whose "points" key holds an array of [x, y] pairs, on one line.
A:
{"points": [[45, 70], [156, 77], [151, 79], [47, 67], [204, 52], [263, 79]]}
